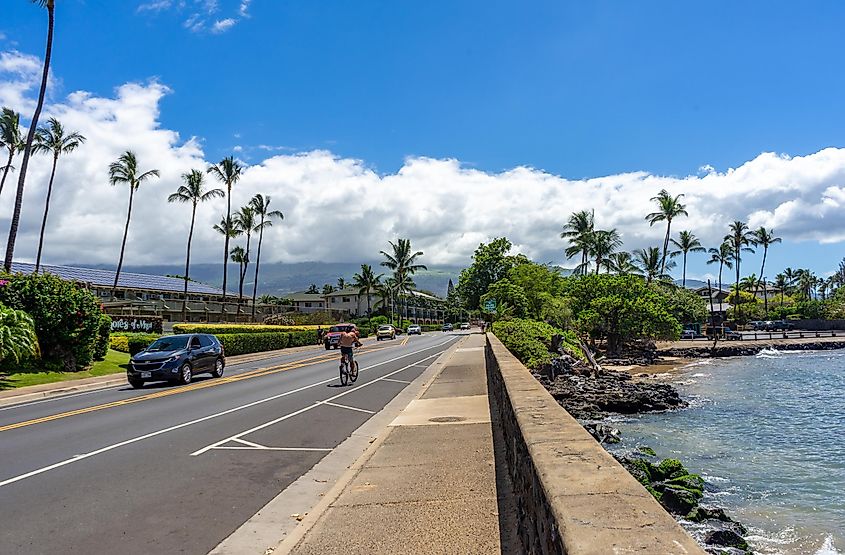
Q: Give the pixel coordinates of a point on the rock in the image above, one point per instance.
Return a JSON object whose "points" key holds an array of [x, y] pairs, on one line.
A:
{"points": [[725, 538], [670, 468], [700, 514], [688, 481], [646, 450], [603, 433], [678, 500]]}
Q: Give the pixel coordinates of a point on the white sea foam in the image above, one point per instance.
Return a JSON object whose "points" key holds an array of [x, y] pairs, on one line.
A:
{"points": [[769, 353], [828, 548], [700, 375]]}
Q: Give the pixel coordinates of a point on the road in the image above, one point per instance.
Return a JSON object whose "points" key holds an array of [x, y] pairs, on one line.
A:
{"points": [[176, 469]]}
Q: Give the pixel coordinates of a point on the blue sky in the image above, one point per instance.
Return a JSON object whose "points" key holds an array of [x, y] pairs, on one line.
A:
{"points": [[576, 89]]}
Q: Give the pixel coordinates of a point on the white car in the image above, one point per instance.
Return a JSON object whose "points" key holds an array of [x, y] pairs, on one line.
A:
{"points": [[465, 326], [414, 329]]}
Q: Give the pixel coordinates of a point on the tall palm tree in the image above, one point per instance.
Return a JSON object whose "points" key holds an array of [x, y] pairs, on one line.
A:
{"points": [[739, 238], [649, 261], [791, 277], [240, 258], [686, 243], [748, 283], [724, 256], [781, 283], [193, 192], [668, 208], [366, 281], [579, 231], [125, 170], [229, 230], [228, 172], [765, 238], [52, 139], [603, 244], [403, 262], [621, 263], [261, 207], [341, 283], [10, 139], [245, 221], [30, 136]]}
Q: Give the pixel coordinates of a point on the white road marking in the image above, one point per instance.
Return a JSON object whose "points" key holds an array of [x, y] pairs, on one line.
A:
{"points": [[250, 444], [338, 405], [235, 448], [107, 448], [396, 381]]}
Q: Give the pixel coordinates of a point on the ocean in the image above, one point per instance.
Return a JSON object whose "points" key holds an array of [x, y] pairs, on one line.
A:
{"points": [[767, 433]]}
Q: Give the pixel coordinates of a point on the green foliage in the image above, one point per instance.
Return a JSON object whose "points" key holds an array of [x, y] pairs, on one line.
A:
{"points": [[131, 343], [685, 305], [101, 347], [18, 341], [236, 328], [530, 341], [66, 317], [242, 343], [376, 321], [490, 263], [506, 293], [620, 309], [811, 309], [539, 283]]}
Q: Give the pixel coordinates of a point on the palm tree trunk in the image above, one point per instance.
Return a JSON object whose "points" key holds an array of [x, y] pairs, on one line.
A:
{"points": [[684, 278], [257, 262], [243, 272], [188, 263], [16, 215], [46, 210], [6, 170], [738, 297], [762, 268], [123, 243], [665, 247], [226, 248]]}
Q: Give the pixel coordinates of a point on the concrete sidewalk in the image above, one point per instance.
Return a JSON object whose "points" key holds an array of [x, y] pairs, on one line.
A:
{"points": [[432, 485]]}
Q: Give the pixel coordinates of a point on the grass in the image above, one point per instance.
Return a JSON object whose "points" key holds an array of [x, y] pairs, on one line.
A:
{"points": [[114, 363]]}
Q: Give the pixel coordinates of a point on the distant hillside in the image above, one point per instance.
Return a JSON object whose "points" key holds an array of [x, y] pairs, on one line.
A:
{"points": [[278, 278], [693, 283]]}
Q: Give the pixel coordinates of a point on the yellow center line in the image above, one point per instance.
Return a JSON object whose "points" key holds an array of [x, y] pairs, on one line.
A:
{"points": [[191, 387]]}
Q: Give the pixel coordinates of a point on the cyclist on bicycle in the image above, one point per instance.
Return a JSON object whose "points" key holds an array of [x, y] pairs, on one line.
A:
{"points": [[348, 340]]}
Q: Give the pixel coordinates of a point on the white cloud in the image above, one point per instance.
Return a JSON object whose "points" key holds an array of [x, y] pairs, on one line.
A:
{"points": [[443, 206], [243, 9], [201, 15], [155, 6], [223, 25]]}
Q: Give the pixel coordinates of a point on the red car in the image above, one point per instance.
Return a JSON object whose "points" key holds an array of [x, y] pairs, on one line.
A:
{"points": [[332, 336]]}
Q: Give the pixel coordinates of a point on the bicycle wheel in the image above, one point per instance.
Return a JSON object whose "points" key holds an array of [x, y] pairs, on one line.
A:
{"points": [[344, 373], [353, 374]]}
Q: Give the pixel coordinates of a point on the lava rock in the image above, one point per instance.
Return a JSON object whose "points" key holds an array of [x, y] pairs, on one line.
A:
{"points": [[678, 500], [725, 538]]}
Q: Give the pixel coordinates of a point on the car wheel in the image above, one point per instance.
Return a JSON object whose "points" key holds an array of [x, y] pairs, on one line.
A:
{"points": [[186, 373], [136, 384], [218, 368], [327, 346]]}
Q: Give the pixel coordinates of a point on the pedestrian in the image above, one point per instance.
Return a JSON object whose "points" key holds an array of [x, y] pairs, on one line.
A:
{"points": [[319, 335]]}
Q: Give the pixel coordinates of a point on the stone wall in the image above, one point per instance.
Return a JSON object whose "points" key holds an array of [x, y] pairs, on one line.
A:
{"points": [[572, 497]]}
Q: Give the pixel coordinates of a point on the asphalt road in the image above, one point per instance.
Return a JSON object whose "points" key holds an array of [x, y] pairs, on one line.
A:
{"points": [[176, 469]]}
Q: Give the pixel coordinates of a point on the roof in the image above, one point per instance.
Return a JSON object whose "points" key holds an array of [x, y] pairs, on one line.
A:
{"points": [[345, 291], [305, 297], [128, 280]]}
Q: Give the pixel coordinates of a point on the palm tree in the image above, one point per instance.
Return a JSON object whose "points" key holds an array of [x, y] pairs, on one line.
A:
{"points": [[312, 289], [739, 238], [366, 281], [806, 283], [579, 231], [649, 261], [192, 192], [261, 206], [228, 172], [403, 262], [764, 238], [10, 139], [30, 136], [341, 283], [669, 208], [239, 257], [53, 140], [229, 230], [748, 283], [125, 170], [603, 244], [686, 243], [781, 283], [245, 221], [724, 256], [621, 263]]}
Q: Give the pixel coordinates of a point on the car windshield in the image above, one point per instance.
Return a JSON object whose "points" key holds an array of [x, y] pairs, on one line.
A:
{"points": [[169, 343], [383, 328]]}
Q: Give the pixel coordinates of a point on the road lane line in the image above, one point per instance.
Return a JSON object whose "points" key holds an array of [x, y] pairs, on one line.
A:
{"points": [[338, 405], [234, 448], [249, 443], [83, 456], [396, 381]]}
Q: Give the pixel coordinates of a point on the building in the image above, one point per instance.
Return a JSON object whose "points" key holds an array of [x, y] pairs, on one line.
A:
{"points": [[307, 302], [350, 302], [161, 296], [718, 306]]}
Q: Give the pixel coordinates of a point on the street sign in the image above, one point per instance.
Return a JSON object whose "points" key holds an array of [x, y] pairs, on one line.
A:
{"points": [[490, 305]]}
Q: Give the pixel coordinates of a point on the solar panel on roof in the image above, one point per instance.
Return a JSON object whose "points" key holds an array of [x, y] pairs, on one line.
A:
{"points": [[128, 280]]}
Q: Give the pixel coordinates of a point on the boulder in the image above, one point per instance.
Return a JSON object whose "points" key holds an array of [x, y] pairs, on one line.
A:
{"points": [[678, 500], [725, 538]]}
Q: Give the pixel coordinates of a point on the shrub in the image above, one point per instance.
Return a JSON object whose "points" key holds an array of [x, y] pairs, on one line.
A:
{"points": [[377, 321], [279, 320], [529, 340], [101, 347], [131, 343], [18, 341], [237, 328], [243, 343], [66, 317]]}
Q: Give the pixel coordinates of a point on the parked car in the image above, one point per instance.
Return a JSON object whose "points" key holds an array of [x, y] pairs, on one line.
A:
{"points": [[731, 334], [177, 358], [414, 329], [689, 334], [464, 326], [333, 335], [447, 327], [757, 325], [782, 325], [385, 331]]}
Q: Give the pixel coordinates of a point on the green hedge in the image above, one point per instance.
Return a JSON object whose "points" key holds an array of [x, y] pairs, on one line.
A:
{"points": [[238, 328], [529, 340], [243, 343], [131, 343]]}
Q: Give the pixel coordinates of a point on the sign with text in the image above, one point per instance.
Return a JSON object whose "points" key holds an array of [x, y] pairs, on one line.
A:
{"points": [[490, 305], [142, 324]]}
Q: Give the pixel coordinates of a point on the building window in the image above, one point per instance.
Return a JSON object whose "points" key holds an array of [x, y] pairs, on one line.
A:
{"points": [[307, 305], [346, 299]]}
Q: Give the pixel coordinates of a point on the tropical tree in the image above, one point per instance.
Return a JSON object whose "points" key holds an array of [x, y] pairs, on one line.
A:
{"points": [[668, 208], [312, 289], [602, 244], [366, 281], [327, 289], [621, 263], [10, 139], [125, 170], [649, 262], [17, 335], [403, 261], [228, 172], [739, 238], [245, 221], [52, 139], [229, 230], [723, 256], [765, 238], [341, 283], [781, 283], [748, 283], [686, 243], [239, 257], [579, 230], [30, 136], [193, 192], [261, 207]]}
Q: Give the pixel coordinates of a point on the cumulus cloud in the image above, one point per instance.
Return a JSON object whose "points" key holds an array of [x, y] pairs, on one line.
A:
{"points": [[340, 209]]}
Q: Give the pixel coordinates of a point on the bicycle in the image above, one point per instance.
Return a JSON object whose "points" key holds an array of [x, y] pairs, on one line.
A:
{"points": [[348, 374]]}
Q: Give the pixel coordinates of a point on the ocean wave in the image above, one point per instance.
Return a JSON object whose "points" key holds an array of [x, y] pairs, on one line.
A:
{"points": [[703, 362], [828, 548], [769, 353], [700, 375]]}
